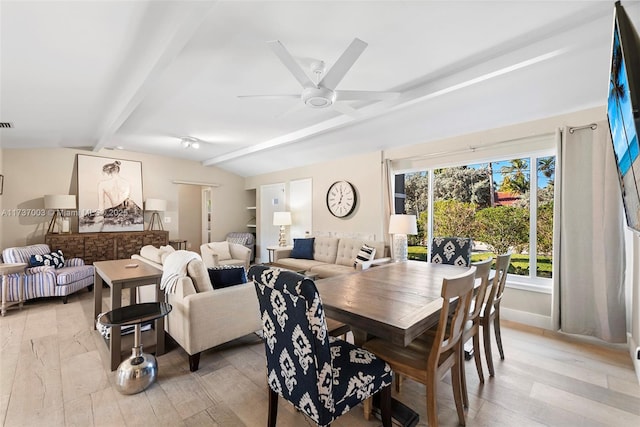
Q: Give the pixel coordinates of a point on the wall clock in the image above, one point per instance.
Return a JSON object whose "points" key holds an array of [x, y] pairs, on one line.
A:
{"points": [[341, 199]]}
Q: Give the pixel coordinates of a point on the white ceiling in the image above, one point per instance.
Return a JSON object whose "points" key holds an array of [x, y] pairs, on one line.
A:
{"points": [[142, 74]]}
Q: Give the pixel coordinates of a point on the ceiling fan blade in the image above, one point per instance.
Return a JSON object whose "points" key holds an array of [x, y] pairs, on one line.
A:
{"points": [[363, 95], [288, 95], [343, 64], [346, 109], [288, 61], [296, 107]]}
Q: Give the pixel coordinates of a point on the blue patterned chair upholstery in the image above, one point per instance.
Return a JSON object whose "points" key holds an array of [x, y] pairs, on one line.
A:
{"points": [[46, 281], [451, 250], [322, 376]]}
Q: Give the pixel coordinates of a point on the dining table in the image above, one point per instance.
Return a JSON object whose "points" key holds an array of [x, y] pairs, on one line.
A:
{"points": [[397, 301]]}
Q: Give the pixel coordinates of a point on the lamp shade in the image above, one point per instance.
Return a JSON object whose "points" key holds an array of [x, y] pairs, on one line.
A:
{"points": [[157, 205], [59, 201], [282, 218], [403, 224]]}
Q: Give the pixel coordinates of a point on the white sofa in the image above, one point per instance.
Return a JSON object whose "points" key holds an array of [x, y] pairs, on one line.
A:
{"points": [[203, 320], [332, 256]]}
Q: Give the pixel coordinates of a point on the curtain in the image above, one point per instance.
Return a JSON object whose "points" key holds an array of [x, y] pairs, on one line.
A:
{"points": [[590, 280]]}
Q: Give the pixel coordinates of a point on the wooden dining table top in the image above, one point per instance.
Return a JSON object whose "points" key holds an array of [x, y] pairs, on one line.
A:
{"points": [[396, 301]]}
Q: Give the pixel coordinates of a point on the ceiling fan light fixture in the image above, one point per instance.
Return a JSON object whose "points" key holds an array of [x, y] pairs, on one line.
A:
{"points": [[189, 142], [319, 97]]}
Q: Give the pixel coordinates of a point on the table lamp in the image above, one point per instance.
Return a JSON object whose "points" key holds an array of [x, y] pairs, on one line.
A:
{"points": [[400, 226], [58, 203], [282, 219], [155, 206]]}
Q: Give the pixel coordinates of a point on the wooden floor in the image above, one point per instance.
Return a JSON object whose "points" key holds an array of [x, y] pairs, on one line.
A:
{"points": [[53, 372]]}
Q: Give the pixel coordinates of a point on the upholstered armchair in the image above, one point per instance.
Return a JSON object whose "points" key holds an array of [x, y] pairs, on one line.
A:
{"points": [[215, 254], [46, 280], [451, 250], [322, 376]]}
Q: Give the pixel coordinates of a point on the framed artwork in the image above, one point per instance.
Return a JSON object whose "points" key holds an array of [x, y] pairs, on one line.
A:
{"points": [[109, 195]]}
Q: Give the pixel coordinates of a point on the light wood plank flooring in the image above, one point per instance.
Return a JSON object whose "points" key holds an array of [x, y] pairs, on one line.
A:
{"points": [[54, 372]]}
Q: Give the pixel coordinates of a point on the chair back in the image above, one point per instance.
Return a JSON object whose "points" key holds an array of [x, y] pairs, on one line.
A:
{"points": [[456, 293], [299, 366], [499, 281], [483, 269], [23, 253], [451, 250]]}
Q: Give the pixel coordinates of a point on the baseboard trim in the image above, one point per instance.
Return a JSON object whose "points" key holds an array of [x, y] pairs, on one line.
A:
{"points": [[524, 317]]}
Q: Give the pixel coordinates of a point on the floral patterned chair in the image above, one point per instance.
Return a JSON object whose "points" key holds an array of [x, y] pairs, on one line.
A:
{"points": [[451, 250], [321, 376]]}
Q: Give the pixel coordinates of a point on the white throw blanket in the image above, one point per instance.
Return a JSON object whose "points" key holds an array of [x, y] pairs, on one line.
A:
{"points": [[174, 268]]}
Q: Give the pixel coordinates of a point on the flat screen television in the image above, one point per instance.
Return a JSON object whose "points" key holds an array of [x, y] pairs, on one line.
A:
{"points": [[623, 111]]}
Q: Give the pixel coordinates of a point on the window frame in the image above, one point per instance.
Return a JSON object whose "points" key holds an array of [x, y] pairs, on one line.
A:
{"points": [[531, 282]]}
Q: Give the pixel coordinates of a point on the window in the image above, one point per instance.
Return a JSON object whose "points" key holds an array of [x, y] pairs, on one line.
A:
{"points": [[500, 204]]}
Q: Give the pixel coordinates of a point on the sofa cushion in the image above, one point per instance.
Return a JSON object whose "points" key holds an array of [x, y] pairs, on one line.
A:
{"points": [[330, 270], [54, 259], [325, 249], [302, 248], [227, 275], [220, 248], [365, 254], [68, 275], [296, 264], [199, 275]]}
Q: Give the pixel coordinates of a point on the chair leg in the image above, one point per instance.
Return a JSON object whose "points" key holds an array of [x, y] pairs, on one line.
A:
{"points": [[476, 356], [385, 406], [273, 408], [65, 299], [457, 379], [496, 328], [194, 362], [432, 405], [463, 378], [486, 335], [398, 380]]}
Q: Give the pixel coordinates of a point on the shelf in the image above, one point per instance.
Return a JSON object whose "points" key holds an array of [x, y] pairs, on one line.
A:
{"points": [[251, 207], [251, 225]]}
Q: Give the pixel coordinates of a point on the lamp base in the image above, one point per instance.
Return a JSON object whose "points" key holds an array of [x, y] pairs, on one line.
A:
{"points": [[400, 247], [282, 241]]}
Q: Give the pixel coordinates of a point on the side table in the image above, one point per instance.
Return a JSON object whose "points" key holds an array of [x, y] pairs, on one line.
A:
{"points": [[140, 370], [271, 250], [179, 244], [5, 270]]}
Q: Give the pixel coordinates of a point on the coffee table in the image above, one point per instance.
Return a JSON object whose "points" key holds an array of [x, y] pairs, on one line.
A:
{"points": [[118, 276], [140, 370]]}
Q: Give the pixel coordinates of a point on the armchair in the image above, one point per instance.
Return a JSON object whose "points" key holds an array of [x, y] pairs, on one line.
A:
{"points": [[215, 254], [46, 280]]}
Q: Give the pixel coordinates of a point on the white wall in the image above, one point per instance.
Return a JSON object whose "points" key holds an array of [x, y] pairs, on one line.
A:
{"points": [[32, 173]]}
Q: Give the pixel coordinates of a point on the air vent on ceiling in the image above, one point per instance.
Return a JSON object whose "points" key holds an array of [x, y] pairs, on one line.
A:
{"points": [[6, 125]]}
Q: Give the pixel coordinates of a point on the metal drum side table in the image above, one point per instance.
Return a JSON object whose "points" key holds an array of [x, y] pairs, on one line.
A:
{"points": [[140, 370]]}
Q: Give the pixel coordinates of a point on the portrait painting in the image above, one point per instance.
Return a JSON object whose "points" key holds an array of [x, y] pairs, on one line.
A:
{"points": [[109, 194]]}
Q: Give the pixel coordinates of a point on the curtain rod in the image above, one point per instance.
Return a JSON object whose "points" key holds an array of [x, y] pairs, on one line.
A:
{"points": [[592, 126], [472, 148]]}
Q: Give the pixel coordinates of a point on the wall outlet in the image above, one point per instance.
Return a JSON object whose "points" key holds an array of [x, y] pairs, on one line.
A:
{"points": [[167, 219]]}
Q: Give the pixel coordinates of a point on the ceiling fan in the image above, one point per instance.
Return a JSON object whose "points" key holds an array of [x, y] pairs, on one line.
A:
{"points": [[323, 93]]}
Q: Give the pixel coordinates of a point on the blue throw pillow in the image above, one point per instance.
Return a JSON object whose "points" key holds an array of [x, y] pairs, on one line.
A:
{"points": [[303, 248], [227, 275], [54, 259]]}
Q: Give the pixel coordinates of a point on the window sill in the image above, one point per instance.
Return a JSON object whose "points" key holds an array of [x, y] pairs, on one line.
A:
{"points": [[543, 286]]}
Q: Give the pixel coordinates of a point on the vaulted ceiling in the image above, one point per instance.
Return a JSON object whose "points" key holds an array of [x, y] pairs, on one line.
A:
{"points": [[142, 75]]}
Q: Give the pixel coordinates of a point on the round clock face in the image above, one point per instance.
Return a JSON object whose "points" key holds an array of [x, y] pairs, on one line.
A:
{"points": [[341, 199]]}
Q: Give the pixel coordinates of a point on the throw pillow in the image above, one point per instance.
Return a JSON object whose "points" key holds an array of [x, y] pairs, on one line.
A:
{"points": [[227, 275], [365, 254], [222, 249], [198, 273], [303, 248], [54, 259], [151, 253]]}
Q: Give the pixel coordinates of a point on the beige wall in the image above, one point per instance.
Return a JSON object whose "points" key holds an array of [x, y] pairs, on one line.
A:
{"points": [[32, 173], [190, 217]]}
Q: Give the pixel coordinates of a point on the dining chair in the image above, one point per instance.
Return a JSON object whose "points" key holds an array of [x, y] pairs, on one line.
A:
{"points": [[451, 250], [321, 376], [337, 329], [491, 310], [428, 360]]}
